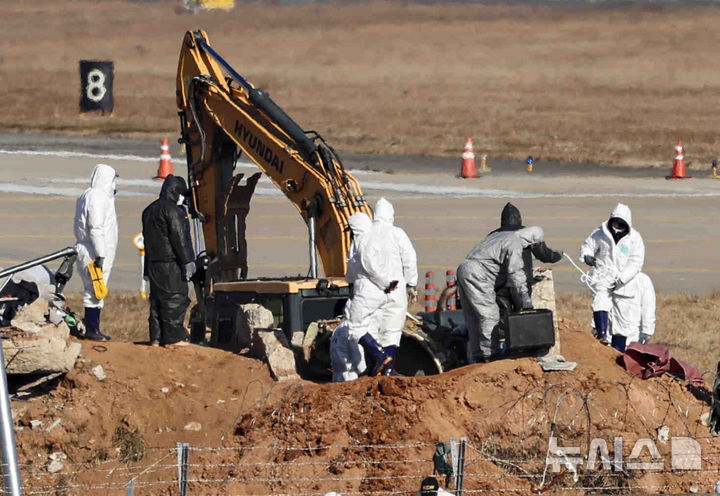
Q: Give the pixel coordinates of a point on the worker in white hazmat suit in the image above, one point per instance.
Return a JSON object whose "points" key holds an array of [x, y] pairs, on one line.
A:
{"points": [[476, 278], [633, 313], [616, 253], [368, 271], [96, 232], [403, 268]]}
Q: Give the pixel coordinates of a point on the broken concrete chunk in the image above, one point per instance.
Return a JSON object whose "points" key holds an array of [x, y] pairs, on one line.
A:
{"points": [[272, 346], [193, 426], [55, 423], [36, 424], [251, 316], [54, 467], [99, 373]]}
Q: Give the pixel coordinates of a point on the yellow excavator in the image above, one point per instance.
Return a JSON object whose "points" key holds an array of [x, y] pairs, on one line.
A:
{"points": [[222, 115]]}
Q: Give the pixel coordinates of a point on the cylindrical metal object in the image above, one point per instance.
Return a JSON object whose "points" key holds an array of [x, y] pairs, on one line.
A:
{"points": [[450, 281], [430, 303], [313, 251], [11, 470], [32, 263]]}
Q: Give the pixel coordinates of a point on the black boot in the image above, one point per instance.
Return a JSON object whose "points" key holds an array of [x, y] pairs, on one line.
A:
{"points": [[601, 325], [390, 368], [92, 325], [618, 342], [378, 357]]}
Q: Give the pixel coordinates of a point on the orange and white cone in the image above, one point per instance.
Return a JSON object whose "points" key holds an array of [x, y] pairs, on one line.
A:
{"points": [[678, 171], [165, 168], [468, 169]]}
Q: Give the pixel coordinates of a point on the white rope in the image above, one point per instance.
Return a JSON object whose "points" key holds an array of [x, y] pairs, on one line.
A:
{"points": [[601, 273]]}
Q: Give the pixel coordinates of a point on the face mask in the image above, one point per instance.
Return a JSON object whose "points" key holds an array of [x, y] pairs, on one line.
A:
{"points": [[181, 200]]}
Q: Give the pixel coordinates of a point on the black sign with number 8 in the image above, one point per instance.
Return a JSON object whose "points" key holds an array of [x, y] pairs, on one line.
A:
{"points": [[96, 86]]}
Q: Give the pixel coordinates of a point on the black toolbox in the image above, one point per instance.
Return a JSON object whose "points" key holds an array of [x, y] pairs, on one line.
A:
{"points": [[529, 330]]}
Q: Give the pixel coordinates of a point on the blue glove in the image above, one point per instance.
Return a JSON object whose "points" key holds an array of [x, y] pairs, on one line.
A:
{"points": [[644, 338]]}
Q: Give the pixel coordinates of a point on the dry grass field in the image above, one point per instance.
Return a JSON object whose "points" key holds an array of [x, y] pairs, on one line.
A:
{"points": [[686, 324], [617, 86]]}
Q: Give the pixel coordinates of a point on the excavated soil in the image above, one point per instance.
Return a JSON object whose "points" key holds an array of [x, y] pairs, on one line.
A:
{"points": [[250, 435]]}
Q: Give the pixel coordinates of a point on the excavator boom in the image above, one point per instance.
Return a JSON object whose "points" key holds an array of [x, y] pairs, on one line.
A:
{"points": [[220, 113]]}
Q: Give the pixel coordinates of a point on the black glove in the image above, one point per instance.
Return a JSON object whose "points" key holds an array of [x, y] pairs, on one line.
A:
{"points": [[644, 338], [392, 287], [590, 260], [99, 262]]}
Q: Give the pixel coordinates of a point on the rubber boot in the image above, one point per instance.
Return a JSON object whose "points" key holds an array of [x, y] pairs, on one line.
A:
{"points": [[601, 319], [378, 357], [619, 342], [92, 325], [390, 368]]}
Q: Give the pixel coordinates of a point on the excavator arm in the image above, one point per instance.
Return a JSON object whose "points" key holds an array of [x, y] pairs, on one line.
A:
{"points": [[221, 112]]}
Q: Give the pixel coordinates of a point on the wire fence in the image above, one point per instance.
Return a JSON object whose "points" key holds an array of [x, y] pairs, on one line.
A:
{"points": [[383, 469]]}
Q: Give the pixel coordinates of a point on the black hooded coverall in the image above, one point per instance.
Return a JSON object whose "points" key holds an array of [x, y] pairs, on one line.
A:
{"points": [[510, 220], [168, 248]]}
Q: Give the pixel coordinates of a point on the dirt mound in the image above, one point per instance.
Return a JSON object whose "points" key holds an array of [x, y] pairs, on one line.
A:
{"points": [[249, 435]]}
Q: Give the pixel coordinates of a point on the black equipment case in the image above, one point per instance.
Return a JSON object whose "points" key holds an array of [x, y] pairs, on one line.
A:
{"points": [[529, 330]]}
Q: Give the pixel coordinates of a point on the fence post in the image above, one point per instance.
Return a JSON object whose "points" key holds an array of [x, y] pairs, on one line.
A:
{"points": [[183, 450], [461, 468], [10, 468], [454, 459]]}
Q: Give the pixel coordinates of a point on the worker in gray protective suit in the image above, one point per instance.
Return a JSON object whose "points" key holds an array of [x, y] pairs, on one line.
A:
{"points": [[476, 277]]}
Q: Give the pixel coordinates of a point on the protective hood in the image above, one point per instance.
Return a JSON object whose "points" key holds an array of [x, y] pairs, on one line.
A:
{"points": [[103, 179], [384, 211], [359, 224], [622, 211], [530, 235], [510, 217], [172, 188]]}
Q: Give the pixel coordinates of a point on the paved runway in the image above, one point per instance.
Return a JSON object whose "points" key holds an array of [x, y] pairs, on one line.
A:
{"points": [[444, 215]]}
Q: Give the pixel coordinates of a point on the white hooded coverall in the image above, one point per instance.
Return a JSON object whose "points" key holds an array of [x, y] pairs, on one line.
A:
{"points": [[365, 272], [635, 313], [403, 268], [96, 229], [625, 258], [476, 278]]}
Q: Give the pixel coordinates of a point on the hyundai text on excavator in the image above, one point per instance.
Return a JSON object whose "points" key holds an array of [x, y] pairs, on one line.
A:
{"points": [[221, 116]]}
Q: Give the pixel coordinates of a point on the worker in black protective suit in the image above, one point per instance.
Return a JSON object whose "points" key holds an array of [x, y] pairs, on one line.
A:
{"points": [[510, 220], [169, 262]]}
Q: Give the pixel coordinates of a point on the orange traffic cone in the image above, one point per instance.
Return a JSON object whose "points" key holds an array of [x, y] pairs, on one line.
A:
{"points": [[468, 169], [678, 171], [165, 168]]}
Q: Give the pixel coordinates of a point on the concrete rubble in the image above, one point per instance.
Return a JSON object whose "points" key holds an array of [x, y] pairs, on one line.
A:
{"points": [[251, 317], [31, 345], [272, 346]]}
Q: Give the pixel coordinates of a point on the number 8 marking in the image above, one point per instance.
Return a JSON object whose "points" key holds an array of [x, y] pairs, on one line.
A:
{"points": [[95, 89]]}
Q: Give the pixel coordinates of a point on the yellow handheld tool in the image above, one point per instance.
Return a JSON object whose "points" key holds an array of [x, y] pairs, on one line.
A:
{"points": [[99, 287]]}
